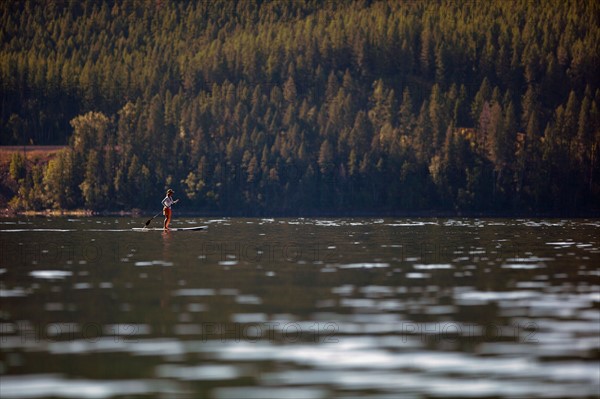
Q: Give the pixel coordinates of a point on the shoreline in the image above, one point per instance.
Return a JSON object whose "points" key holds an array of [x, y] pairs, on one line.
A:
{"points": [[6, 213]]}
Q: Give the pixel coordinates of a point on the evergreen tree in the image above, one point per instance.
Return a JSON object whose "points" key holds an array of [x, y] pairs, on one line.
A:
{"points": [[499, 106]]}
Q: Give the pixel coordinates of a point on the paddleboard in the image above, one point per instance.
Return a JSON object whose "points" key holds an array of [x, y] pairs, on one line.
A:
{"points": [[193, 228]]}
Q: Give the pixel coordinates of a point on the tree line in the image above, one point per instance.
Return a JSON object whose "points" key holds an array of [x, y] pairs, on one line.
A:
{"points": [[304, 106]]}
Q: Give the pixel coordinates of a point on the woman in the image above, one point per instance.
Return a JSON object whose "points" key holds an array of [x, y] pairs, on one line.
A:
{"points": [[167, 203]]}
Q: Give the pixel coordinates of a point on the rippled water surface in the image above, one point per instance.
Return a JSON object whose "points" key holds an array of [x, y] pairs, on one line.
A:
{"points": [[300, 308]]}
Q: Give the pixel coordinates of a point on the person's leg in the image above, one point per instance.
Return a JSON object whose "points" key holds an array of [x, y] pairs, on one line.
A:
{"points": [[167, 213]]}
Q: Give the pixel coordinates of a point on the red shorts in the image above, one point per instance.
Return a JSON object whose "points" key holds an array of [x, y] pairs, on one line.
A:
{"points": [[167, 212]]}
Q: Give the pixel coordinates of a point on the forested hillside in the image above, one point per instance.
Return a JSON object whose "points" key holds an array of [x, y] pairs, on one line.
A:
{"points": [[304, 106]]}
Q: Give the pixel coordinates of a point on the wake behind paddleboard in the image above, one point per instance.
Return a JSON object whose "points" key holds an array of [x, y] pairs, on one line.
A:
{"points": [[193, 228]]}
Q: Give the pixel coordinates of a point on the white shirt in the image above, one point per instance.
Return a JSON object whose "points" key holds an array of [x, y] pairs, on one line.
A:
{"points": [[167, 202]]}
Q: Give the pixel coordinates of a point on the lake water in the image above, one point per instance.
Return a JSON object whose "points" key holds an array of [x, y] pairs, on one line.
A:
{"points": [[300, 308]]}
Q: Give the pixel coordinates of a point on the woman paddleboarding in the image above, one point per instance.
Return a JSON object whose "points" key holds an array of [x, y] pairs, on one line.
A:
{"points": [[167, 203]]}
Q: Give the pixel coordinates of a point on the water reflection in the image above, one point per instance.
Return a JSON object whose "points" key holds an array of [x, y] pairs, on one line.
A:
{"points": [[166, 238], [300, 308]]}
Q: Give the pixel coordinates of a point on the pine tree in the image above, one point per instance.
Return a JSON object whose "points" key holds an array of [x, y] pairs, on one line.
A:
{"points": [[504, 90]]}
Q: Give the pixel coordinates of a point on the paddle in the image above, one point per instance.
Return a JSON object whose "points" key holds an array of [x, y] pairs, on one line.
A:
{"points": [[159, 213], [149, 220]]}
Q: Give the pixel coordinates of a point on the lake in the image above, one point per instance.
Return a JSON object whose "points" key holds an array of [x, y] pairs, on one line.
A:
{"points": [[300, 308]]}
